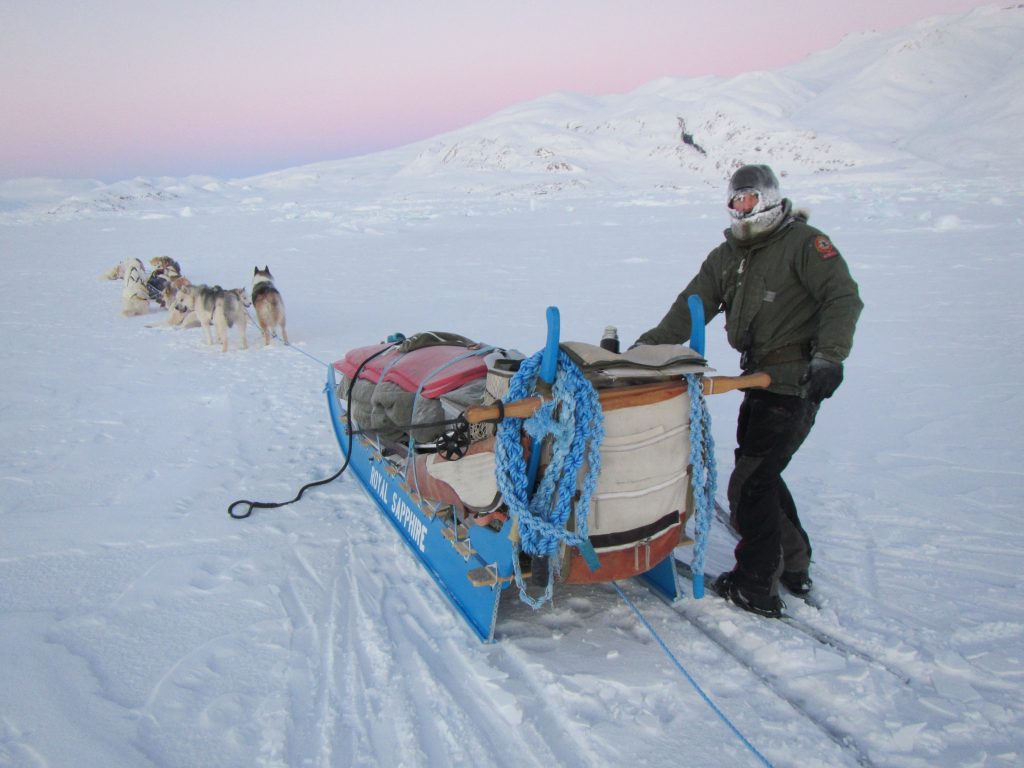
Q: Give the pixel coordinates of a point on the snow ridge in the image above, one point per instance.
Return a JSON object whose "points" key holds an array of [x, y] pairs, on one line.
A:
{"points": [[939, 97]]}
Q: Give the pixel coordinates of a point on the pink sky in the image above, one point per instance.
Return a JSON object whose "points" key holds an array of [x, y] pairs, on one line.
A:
{"points": [[113, 89]]}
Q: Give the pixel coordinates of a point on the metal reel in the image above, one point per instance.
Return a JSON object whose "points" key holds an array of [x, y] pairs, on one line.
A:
{"points": [[454, 444]]}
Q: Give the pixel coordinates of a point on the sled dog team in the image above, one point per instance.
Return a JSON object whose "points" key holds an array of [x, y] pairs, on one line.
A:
{"points": [[200, 306]]}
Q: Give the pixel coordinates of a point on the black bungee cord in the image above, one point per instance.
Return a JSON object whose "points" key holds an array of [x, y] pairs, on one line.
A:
{"points": [[251, 505]]}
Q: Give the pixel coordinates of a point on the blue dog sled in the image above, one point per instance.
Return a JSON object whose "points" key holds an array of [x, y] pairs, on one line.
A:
{"points": [[573, 466]]}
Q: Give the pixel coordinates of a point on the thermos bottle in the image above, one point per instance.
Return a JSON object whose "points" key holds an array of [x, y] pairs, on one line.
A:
{"points": [[610, 339]]}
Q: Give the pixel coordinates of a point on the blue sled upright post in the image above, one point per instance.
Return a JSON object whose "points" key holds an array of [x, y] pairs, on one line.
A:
{"points": [[700, 525], [548, 371]]}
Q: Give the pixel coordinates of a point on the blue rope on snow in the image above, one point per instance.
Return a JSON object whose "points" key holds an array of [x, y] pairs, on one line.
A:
{"points": [[577, 432], [314, 358], [705, 477], [696, 686]]}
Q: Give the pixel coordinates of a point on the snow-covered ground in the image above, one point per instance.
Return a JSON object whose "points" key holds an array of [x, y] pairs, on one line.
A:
{"points": [[141, 626]]}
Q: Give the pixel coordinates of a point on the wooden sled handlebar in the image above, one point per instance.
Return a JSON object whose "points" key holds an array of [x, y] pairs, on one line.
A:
{"points": [[718, 385], [622, 397], [517, 409]]}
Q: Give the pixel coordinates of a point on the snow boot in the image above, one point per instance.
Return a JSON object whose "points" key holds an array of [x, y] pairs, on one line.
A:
{"points": [[797, 582], [727, 586]]}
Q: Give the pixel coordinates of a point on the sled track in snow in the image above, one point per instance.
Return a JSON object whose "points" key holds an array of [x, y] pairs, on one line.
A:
{"points": [[843, 647], [822, 636], [351, 676], [842, 739]]}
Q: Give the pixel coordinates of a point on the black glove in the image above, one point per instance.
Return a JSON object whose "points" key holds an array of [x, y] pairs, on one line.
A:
{"points": [[821, 379]]}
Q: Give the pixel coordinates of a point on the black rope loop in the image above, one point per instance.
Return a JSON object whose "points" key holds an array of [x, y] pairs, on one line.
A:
{"points": [[348, 453], [273, 505]]}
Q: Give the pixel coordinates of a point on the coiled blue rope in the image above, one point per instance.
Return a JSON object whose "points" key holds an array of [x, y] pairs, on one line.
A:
{"points": [[577, 431], [705, 477]]}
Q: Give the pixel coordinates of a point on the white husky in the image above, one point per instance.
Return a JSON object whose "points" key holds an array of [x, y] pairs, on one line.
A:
{"points": [[267, 302], [134, 293]]}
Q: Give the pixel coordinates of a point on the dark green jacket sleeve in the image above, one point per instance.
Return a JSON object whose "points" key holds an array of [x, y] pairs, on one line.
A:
{"points": [[674, 327], [826, 276]]}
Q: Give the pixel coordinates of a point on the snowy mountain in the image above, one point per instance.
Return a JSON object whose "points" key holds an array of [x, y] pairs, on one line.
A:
{"points": [[141, 627], [943, 91], [942, 95]]}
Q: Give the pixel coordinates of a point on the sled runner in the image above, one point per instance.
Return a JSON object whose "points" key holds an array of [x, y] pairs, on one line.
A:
{"points": [[569, 467]]}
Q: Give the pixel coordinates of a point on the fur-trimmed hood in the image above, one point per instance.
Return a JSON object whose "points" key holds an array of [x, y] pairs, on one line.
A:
{"points": [[757, 228]]}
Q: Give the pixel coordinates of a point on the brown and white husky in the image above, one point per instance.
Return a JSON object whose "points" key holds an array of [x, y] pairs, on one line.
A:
{"points": [[212, 305], [228, 310], [267, 302]]}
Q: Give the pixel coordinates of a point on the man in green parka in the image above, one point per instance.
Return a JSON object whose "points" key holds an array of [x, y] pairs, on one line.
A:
{"points": [[790, 307]]}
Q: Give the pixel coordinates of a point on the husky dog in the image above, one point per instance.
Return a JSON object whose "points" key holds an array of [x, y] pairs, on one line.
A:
{"points": [[169, 293], [200, 300], [228, 310], [268, 304], [158, 280], [165, 269], [134, 295], [165, 263], [175, 316]]}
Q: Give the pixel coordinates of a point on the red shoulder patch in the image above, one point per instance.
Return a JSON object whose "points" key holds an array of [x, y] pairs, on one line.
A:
{"points": [[824, 247]]}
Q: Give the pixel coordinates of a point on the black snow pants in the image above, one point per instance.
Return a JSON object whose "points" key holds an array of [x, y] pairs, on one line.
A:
{"points": [[769, 431]]}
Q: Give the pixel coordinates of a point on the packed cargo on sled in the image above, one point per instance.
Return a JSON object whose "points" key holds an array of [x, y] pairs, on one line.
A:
{"points": [[572, 466]]}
